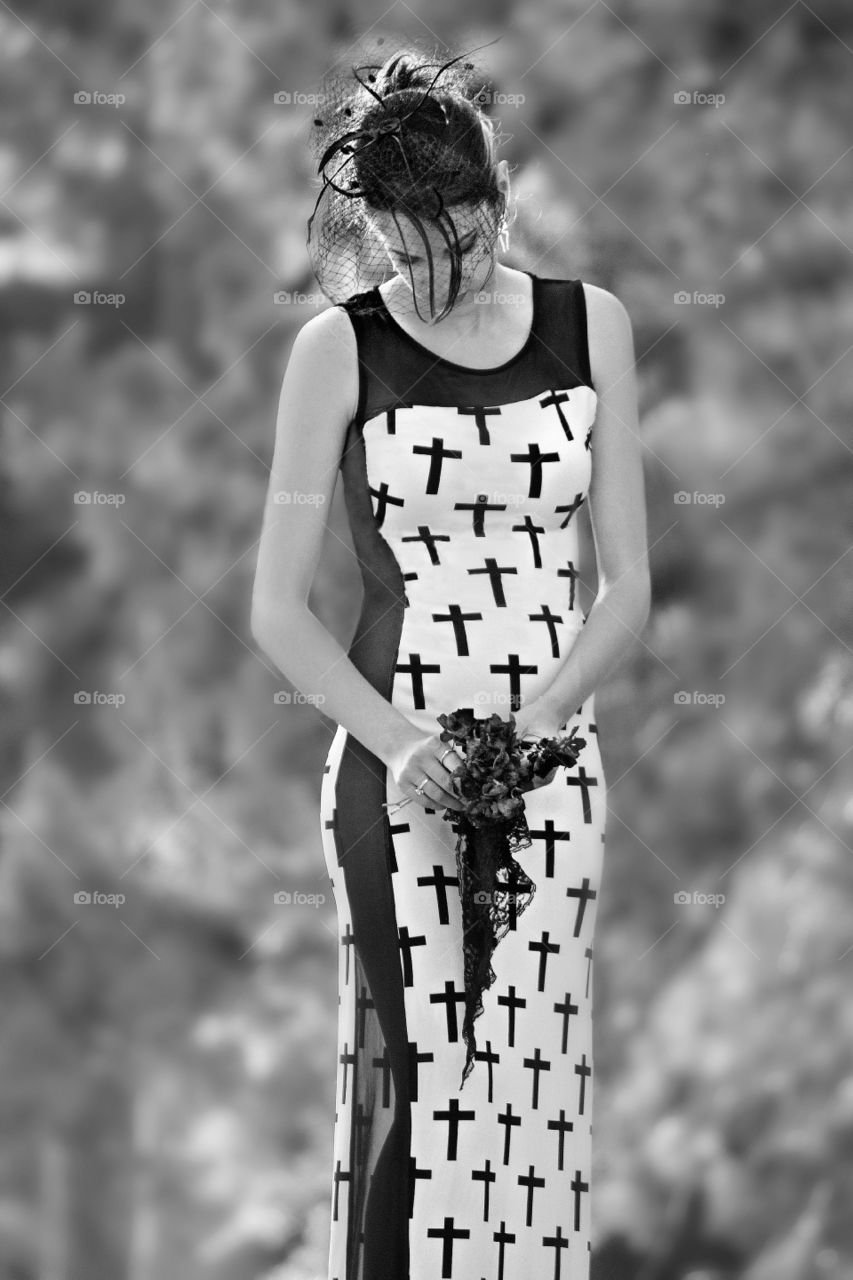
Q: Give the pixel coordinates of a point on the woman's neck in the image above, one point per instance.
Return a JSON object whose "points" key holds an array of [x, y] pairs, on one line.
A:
{"points": [[467, 314]]}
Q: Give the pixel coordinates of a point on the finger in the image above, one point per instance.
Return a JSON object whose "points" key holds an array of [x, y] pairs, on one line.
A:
{"points": [[425, 797], [449, 765], [444, 780], [451, 759], [432, 796], [440, 780], [439, 773], [424, 788]]}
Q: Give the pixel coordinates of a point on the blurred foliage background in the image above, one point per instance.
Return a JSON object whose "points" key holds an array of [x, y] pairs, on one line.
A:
{"points": [[167, 1056]]}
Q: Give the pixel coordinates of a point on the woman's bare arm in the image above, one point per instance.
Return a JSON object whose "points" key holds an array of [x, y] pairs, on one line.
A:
{"points": [[318, 399], [617, 508]]}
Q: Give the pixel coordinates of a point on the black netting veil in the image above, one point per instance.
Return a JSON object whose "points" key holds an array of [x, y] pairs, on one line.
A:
{"points": [[409, 193]]}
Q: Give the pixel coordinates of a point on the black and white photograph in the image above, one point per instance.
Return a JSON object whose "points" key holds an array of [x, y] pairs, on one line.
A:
{"points": [[426, 646]]}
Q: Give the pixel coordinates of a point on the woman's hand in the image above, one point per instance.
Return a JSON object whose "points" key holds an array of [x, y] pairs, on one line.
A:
{"points": [[537, 719], [422, 758]]}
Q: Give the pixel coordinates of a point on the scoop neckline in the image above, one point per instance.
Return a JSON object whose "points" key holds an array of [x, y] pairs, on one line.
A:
{"points": [[467, 368]]}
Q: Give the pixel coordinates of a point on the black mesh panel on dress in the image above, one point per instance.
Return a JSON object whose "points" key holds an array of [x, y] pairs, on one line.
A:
{"points": [[395, 370], [377, 1185]]}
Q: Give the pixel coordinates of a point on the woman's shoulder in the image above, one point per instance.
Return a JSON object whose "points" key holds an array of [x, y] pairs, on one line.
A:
{"points": [[602, 304], [328, 328], [609, 333], [602, 307], [327, 342]]}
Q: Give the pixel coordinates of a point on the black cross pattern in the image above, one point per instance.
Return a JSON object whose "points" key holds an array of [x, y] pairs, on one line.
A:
{"points": [[571, 573], [480, 415], [493, 1179], [429, 539], [578, 777], [384, 499], [407, 943], [515, 669], [479, 509], [458, 618], [558, 399], [436, 453], [536, 458], [450, 998], [447, 1234], [550, 619], [562, 1127], [417, 669], [495, 572], [534, 531], [570, 508]]}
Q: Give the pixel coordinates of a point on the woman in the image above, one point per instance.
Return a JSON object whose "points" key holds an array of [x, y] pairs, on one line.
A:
{"points": [[472, 409]]}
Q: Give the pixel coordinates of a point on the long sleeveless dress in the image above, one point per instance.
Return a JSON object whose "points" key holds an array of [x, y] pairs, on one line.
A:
{"points": [[462, 489]]}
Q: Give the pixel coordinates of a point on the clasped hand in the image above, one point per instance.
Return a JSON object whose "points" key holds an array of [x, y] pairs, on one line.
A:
{"points": [[422, 768]]}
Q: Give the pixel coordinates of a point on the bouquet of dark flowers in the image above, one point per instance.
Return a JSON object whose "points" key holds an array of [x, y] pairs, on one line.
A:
{"points": [[498, 768]]}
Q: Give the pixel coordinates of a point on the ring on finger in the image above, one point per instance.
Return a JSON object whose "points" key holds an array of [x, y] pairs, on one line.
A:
{"points": [[445, 753], [420, 787]]}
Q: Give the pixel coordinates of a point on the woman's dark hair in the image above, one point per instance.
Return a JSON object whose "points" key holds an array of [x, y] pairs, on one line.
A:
{"points": [[405, 136], [450, 143]]}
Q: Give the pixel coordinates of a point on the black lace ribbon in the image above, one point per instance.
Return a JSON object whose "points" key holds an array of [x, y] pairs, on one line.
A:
{"points": [[497, 769], [494, 890]]}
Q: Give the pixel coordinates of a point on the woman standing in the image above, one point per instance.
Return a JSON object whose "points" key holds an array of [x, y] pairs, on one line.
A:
{"points": [[472, 409]]}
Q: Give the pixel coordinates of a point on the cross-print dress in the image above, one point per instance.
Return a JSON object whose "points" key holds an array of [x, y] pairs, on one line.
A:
{"points": [[462, 489]]}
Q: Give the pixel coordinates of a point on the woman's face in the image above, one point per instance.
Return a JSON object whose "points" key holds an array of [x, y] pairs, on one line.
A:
{"points": [[411, 260]]}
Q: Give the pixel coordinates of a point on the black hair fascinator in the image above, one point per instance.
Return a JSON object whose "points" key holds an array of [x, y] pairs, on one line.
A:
{"points": [[407, 161]]}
